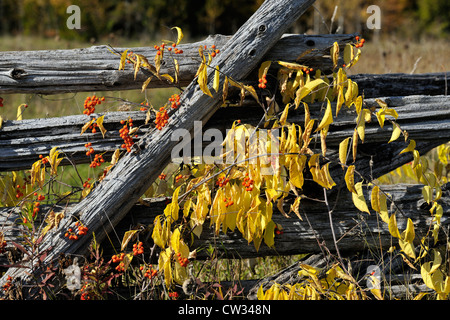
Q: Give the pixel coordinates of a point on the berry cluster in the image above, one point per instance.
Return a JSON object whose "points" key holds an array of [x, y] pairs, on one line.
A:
{"points": [[150, 272], [97, 162], [178, 178], [125, 135], [86, 184], [307, 70], [228, 202], [90, 103], [19, 193], [1, 102], [161, 118], [262, 82], [182, 261], [248, 183], [222, 181], [144, 106], [85, 295], [90, 149], [278, 231], [162, 176], [138, 248], [8, 284], [160, 49], [175, 101], [359, 42], [213, 50], [174, 295], [43, 160], [72, 235], [119, 258]]}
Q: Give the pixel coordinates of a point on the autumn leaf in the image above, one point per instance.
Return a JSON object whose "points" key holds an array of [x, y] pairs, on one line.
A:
{"points": [[411, 146], [334, 52], [126, 238], [350, 179], [216, 79], [123, 59], [52, 220], [100, 125], [343, 149], [396, 132], [87, 125], [358, 198], [179, 34], [327, 117]]}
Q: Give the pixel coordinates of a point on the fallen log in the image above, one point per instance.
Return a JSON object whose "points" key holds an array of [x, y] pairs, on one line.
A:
{"points": [[111, 200]]}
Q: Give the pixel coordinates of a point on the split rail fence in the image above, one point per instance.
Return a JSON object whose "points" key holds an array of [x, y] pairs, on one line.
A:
{"points": [[112, 207]]}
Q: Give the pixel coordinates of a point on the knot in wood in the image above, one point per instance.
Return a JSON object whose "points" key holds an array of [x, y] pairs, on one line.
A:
{"points": [[17, 73]]}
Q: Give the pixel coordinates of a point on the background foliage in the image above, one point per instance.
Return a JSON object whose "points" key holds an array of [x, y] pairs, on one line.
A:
{"points": [[142, 19]]}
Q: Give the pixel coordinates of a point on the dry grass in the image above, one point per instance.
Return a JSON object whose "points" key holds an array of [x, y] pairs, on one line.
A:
{"points": [[396, 55]]}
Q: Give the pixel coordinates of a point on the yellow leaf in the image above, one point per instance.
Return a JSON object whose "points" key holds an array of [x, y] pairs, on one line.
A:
{"points": [[340, 99], [354, 144], [291, 65], [216, 79], [427, 193], [411, 146], [126, 238], [284, 115], [202, 79], [145, 84], [358, 198], [252, 92], [1, 121], [393, 229], [348, 54], [173, 208], [52, 220], [168, 77], [408, 235], [361, 123], [20, 110], [137, 65], [378, 201], [269, 234], [179, 34], [100, 125], [295, 206], [350, 179], [306, 89], [395, 132], [334, 52], [159, 235], [123, 59], [343, 148], [86, 126], [327, 117], [115, 157], [187, 207], [225, 90], [263, 69]]}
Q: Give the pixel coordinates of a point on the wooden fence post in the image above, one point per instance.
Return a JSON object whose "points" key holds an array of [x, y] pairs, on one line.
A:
{"points": [[109, 202]]}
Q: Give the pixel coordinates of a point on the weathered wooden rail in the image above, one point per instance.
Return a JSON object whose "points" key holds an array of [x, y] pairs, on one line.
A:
{"points": [[426, 118], [112, 205]]}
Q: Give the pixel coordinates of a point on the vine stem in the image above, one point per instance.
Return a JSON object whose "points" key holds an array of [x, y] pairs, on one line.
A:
{"points": [[330, 212]]}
